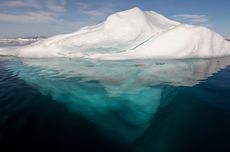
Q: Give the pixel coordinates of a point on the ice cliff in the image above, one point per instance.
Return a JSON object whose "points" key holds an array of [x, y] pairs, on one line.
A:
{"points": [[131, 34]]}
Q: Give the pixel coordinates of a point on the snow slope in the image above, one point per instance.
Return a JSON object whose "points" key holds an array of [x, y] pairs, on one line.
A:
{"points": [[131, 34], [18, 41]]}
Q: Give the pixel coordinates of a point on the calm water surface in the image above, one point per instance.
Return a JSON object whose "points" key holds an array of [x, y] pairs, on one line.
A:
{"points": [[131, 106]]}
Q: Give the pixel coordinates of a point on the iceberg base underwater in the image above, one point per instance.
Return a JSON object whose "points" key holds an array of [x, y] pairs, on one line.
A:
{"points": [[131, 105]]}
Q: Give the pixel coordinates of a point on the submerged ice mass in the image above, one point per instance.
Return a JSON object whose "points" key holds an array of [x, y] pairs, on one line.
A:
{"points": [[131, 34], [120, 97]]}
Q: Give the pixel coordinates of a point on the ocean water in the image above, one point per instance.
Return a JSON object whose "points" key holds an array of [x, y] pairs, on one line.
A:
{"points": [[123, 106]]}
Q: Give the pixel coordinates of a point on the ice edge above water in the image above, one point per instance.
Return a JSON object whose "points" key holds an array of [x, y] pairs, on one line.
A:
{"points": [[131, 34]]}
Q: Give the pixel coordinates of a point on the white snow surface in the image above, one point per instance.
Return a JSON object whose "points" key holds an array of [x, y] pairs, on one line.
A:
{"points": [[131, 34]]}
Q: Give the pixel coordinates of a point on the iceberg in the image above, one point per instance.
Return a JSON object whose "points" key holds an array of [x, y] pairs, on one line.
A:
{"points": [[18, 41], [131, 34], [121, 98]]}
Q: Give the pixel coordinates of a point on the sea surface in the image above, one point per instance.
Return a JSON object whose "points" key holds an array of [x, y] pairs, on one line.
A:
{"points": [[122, 106]]}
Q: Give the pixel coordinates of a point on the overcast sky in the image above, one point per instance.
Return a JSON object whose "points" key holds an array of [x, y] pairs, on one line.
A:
{"points": [[51, 17]]}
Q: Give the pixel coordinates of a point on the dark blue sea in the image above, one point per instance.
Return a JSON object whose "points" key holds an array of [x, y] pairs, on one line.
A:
{"points": [[72, 105]]}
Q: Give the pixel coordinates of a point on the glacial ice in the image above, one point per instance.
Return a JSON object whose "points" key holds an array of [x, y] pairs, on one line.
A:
{"points": [[114, 95], [131, 34]]}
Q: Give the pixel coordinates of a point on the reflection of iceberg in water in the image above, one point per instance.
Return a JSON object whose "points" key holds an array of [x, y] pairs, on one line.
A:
{"points": [[119, 97]]}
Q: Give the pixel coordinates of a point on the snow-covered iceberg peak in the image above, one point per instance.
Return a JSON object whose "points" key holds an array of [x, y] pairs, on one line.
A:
{"points": [[135, 21], [131, 34]]}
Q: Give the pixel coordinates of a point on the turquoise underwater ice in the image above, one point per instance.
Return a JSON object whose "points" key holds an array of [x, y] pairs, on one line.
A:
{"points": [[119, 97]]}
